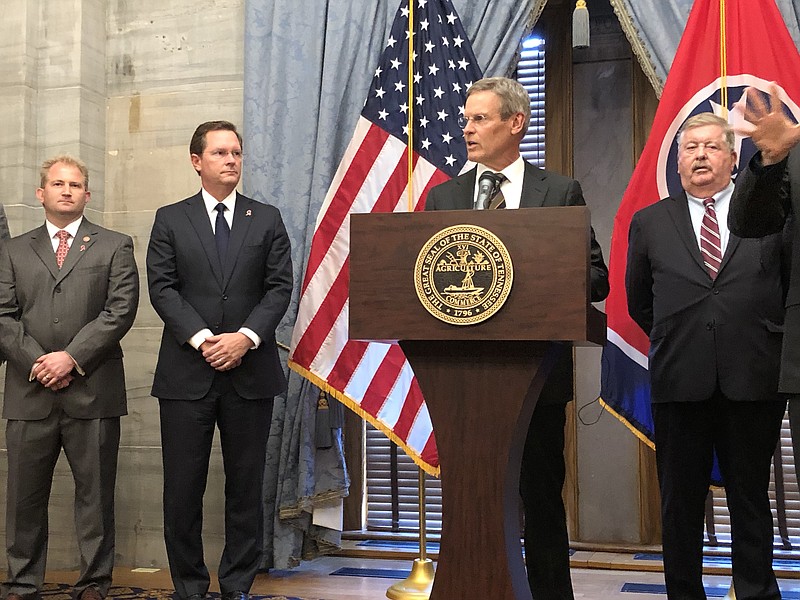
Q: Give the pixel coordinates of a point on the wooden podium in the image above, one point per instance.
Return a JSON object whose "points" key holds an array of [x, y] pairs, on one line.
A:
{"points": [[481, 381]]}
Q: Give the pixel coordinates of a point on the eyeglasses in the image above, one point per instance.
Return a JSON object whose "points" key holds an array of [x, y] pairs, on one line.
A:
{"points": [[219, 154], [710, 147], [477, 120]]}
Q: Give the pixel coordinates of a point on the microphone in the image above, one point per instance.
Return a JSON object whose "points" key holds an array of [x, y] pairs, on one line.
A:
{"points": [[486, 186]]}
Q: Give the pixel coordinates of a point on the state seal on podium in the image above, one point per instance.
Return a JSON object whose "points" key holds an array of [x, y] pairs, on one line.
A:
{"points": [[463, 274]]}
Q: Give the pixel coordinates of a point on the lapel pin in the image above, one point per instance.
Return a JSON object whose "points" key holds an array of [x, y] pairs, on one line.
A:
{"points": [[83, 247], [86, 238], [248, 213]]}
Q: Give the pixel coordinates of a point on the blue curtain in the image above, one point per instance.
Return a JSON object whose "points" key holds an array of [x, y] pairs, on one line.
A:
{"points": [[308, 66], [654, 28]]}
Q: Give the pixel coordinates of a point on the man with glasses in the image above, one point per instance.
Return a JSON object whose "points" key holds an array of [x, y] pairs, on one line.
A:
{"points": [[496, 117], [712, 306], [220, 277]]}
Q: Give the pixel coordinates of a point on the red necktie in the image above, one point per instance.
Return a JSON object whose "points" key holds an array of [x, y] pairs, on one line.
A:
{"points": [[710, 241], [63, 246]]}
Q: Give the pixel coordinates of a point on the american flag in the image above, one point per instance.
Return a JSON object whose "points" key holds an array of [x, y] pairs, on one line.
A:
{"points": [[374, 379]]}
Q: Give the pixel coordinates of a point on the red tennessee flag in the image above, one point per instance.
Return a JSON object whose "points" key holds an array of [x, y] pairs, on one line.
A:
{"points": [[373, 379], [757, 49]]}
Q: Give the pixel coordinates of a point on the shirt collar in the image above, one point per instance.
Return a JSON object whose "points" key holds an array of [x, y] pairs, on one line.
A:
{"points": [[513, 172], [720, 197], [72, 228], [211, 202]]}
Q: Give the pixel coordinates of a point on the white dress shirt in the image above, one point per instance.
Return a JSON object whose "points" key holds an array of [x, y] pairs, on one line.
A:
{"points": [[511, 187], [72, 229], [211, 208], [722, 201]]}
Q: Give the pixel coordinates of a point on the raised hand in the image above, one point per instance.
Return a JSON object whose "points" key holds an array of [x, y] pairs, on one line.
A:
{"points": [[767, 125]]}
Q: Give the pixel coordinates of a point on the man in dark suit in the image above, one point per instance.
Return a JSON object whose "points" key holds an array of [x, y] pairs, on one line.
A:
{"points": [[766, 200], [69, 291], [711, 304], [220, 277], [496, 116]]}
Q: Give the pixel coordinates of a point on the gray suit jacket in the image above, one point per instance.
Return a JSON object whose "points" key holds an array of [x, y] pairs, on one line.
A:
{"points": [[85, 308]]}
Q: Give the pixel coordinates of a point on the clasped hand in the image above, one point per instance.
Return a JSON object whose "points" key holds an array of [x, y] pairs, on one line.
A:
{"points": [[225, 351], [54, 370]]}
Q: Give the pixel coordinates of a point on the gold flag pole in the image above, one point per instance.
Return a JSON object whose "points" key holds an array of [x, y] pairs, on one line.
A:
{"points": [[723, 60], [418, 585], [410, 121]]}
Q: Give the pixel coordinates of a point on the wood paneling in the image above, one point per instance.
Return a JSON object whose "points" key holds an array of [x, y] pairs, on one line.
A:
{"points": [[555, 26], [644, 104]]}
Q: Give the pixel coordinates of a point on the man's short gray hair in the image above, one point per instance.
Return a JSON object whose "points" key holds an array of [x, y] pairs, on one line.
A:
{"points": [[513, 96], [707, 118]]}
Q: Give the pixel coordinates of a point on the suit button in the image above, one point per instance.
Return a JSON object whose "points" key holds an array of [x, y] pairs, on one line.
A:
{"points": [[216, 325], [58, 289], [225, 297], [709, 326], [55, 320], [716, 291]]}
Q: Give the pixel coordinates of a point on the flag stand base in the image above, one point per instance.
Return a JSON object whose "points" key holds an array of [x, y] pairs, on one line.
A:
{"points": [[417, 586]]}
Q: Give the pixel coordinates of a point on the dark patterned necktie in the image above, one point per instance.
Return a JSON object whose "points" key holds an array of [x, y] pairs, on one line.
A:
{"points": [[498, 201], [63, 247], [710, 240], [222, 232]]}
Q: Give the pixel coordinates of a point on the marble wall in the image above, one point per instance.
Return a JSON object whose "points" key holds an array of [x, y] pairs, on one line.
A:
{"points": [[169, 67], [122, 85], [607, 453]]}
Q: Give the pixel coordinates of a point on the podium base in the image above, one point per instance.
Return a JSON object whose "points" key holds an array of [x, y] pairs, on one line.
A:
{"points": [[417, 586]]}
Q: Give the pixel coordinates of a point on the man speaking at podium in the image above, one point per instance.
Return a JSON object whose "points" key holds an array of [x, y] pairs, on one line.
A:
{"points": [[496, 116]]}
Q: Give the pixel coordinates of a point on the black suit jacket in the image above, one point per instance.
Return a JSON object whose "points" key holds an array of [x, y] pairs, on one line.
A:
{"points": [[540, 188], [705, 332], [191, 289], [766, 201]]}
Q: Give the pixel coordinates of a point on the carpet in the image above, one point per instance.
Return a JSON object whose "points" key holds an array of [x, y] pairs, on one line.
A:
{"points": [[413, 546], [63, 591], [384, 573]]}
